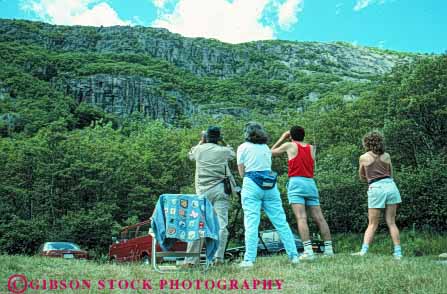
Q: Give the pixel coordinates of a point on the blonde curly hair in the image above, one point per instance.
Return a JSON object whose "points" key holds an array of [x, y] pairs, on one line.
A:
{"points": [[373, 141]]}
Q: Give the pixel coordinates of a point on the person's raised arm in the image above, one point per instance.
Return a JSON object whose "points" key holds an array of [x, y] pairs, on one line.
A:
{"points": [[277, 148], [191, 153]]}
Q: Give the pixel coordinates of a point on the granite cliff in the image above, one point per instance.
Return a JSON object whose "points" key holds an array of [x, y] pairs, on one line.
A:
{"points": [[212, 69]]}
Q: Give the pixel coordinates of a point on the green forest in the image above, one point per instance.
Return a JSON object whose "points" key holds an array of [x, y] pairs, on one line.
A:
{"points": [[71, 170]]}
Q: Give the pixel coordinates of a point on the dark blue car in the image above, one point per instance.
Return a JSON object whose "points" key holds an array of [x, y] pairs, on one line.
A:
{"points": [[270, 243]]}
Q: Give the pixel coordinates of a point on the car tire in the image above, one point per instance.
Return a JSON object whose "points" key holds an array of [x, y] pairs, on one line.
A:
{"points": [[280, 251], [145, 260], [263, 252], [229, 256]]}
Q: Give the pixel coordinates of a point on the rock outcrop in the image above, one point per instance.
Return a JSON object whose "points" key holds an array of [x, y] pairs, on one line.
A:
{"points": [[206, 57], [125, 95]]}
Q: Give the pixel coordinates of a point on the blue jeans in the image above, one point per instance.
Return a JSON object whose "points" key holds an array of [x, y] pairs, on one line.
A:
{"points": [[253, 199]]}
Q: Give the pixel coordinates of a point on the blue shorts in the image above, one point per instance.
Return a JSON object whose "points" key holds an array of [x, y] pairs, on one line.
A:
{"points": [[382, 193], [301, 190]]}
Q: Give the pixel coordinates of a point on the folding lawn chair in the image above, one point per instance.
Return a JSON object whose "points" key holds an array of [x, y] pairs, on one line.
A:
{"points": [[184, 218]]}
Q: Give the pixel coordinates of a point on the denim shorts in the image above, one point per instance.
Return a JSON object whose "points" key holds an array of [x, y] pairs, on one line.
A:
{"points": [[302, 190], [382, 193]]}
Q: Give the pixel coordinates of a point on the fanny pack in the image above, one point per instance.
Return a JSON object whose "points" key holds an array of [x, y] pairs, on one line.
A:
{"points": [[266, 180]]}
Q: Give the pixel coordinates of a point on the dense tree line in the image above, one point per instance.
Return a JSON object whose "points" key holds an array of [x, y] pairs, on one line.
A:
{"points": [[72, 172]]}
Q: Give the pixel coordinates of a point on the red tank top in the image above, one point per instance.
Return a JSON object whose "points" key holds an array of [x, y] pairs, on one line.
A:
{"points": [[302, 165]]}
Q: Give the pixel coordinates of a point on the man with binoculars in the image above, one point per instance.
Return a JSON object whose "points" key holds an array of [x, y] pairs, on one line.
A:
{"points": [[213, 179]]}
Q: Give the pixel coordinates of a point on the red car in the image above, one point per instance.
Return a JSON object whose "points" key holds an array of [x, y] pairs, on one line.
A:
{"points": [[65, 250], [135, 244]]}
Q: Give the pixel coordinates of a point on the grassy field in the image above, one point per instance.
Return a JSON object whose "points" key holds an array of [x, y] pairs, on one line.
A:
{"points": [[376, 273]]}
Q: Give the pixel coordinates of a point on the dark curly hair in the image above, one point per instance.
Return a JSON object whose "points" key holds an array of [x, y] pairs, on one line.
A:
{"points": [[373, 141], [255, 133]]}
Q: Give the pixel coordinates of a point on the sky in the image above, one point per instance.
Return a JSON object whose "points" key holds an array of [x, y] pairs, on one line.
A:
{"points": [[402, 25]]}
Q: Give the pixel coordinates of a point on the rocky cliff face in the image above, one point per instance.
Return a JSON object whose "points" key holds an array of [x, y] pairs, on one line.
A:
{"points": [[201, 56], [341, 59], [125, 93]]}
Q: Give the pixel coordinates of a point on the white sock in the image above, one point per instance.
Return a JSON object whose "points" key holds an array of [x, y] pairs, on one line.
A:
{"points": [[328, 247], [308, 247]]}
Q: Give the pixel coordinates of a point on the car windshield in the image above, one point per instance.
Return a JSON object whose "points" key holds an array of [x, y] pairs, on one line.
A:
{"points": [[267, 236], [143, 230], [270, 236], [60, 246]]}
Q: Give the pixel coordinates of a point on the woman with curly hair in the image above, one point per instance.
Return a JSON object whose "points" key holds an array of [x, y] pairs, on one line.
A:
{"points": [[375, 168]]}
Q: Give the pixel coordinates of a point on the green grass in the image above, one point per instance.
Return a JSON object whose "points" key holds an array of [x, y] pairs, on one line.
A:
{"points": [[376, 273], [414, 244]]}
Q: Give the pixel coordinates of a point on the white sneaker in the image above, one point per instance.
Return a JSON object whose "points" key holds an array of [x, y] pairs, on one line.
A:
{"points": [[246, 264], [397, 257], [360, 253], [443, 255], [307, 256], [328, 254], [295, 260]]}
